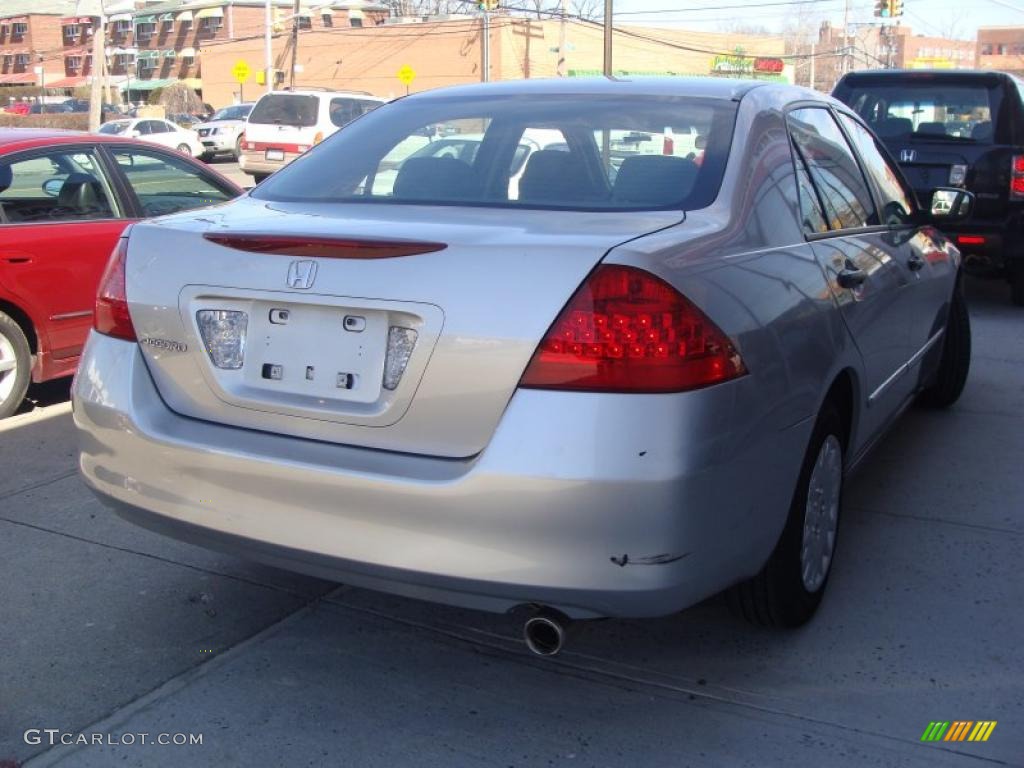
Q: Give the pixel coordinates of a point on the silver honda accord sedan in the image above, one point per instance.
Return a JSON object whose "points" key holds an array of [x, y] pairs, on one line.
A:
{"points": [[632, 379]]}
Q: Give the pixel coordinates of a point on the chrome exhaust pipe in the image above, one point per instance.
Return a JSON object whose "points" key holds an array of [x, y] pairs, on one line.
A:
{"points": [[545, 632]]}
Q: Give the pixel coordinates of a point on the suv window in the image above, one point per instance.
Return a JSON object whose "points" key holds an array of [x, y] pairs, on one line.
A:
{"points": [[896, 200], [286, 109], [833, 168], [371, 161], [931, 110], [343, 111]]}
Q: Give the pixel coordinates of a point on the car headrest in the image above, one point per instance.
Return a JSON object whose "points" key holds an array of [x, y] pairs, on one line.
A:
{"points": [[894, 126], [554, 175], [78, 192], [932, 128], [658, 179], [982, 130], [6, 177], [435, 178]]}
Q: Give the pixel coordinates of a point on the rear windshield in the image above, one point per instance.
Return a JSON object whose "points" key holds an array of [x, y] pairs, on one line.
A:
{"points": [[560, 152], [285, 109], [234, 112], [116, 127], [931, 111]]}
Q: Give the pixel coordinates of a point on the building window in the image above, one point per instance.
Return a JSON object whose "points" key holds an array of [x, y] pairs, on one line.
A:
{"points": [[21, 59], [19, 29], [122, 26], [144, 31], [74, 62], [328, 20], [186, 25], [210, 25], [72, 31], [304, 22], [356, 22]]}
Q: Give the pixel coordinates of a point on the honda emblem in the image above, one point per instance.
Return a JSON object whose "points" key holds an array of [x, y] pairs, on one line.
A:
{"points": [[908, 156], [301, 274]]}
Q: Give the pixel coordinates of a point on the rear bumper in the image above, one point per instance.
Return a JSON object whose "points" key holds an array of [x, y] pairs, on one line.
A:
{"points": [[1002, 239], [256, 162], [565, 507]]}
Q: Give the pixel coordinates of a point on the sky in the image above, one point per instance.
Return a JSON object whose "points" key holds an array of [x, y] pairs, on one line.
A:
{"points": [[930, 17]]}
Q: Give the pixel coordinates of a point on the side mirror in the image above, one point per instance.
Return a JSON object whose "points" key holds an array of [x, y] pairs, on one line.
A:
{"points": [[52, 187], [950, 205]]}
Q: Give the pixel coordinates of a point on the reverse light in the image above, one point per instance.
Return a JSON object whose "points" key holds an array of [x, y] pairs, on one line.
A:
{"points": [[401, 342], [1017, 178], [110, 315], [626, 330], [223, 333]]}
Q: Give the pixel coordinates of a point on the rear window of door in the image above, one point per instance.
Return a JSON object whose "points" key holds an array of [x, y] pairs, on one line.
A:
{"points": [[285, 109], [164, 184], [896, 199], [840, 183]]}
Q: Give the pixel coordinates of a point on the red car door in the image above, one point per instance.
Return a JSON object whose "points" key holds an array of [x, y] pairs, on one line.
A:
{"points": [[59, 221]]}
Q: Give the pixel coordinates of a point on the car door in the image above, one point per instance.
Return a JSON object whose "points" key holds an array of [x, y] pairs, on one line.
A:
{"points": [[930, 264], [164, 182], [60, 221], [870, 283]]}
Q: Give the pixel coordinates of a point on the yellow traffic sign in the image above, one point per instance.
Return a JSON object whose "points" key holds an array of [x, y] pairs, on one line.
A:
{"points": [[241, 70], [406, 75]]}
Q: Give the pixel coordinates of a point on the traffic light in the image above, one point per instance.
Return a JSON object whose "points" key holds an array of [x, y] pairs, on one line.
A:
{"points": [[487, 5], [895, 8], [882, 8]]}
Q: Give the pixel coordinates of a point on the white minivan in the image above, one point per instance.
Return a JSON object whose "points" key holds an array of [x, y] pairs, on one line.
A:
{"points": [[284, 124]]}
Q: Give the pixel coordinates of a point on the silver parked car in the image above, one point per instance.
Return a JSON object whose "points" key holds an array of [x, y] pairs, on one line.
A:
{"points": [[633, 380]]}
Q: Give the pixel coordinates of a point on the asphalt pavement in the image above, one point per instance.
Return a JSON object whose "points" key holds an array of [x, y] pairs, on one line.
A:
{"points": [[108, 632]]}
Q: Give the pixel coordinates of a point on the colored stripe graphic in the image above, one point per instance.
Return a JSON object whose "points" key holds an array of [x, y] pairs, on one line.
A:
{"points": [[958, 730]]}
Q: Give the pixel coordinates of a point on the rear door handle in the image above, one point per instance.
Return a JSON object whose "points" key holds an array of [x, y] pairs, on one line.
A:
{"points": [[915, 262], [851, 276]]}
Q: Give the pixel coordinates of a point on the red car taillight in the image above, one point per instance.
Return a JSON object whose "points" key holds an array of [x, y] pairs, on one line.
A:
{"points": [[626, 330], [111, 314], [1017, 178]]}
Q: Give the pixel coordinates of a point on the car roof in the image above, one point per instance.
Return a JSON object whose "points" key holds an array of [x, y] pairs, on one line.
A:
{"points": [[320, 92], [704, 87], [879, 75]]}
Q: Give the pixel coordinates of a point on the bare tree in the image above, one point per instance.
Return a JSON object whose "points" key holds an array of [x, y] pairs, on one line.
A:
{"points": [[586, 9]]}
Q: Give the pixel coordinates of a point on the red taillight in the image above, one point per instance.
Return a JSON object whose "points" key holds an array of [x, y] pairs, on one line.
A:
{"points": [[626, 330], [111, 314], [1017, 177]]}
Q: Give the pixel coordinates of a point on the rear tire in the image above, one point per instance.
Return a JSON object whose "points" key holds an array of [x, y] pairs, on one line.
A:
{"points": [[185, 149], [956, 357], [237, 153], [15, 366], [789, 588]]}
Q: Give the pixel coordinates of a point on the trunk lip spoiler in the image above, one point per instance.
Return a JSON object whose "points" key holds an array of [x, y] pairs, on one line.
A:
{"points": [[322, 246]]}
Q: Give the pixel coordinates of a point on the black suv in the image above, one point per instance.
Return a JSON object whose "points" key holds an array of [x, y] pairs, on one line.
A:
{"points": [[956, 128]]}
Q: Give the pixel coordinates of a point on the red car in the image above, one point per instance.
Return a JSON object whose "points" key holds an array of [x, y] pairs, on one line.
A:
{"points": [[64, 200], [18, 108]]}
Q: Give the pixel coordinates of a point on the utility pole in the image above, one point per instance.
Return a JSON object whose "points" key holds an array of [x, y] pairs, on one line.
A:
{"points": [[268, 54], [562, 23], [607, 38], [846, 38], [98, 58], [485, 72], [295, 43], [813, 46]]}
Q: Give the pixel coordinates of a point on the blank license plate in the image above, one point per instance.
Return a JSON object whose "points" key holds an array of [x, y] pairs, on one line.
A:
{"points": [[275, 154]]}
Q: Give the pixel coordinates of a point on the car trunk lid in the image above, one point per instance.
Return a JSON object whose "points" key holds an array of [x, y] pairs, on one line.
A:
{"points": [[470, 294]]}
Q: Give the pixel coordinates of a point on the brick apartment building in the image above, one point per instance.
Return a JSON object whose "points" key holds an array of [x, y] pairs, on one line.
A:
{"points": [[1001, 48], [31, 39]]}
